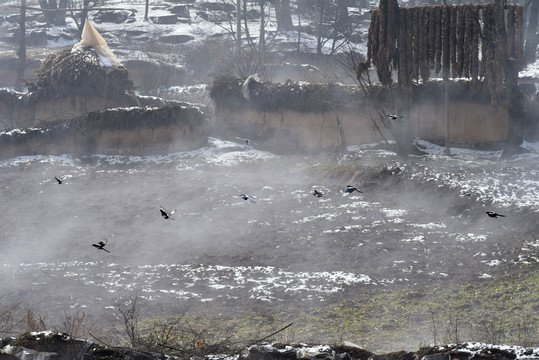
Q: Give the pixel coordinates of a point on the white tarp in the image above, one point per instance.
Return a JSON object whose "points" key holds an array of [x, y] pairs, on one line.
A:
{"points": [[91, 38]]}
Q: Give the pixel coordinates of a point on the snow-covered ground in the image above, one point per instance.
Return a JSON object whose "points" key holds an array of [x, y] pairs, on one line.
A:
{"points": [[286, 246]]}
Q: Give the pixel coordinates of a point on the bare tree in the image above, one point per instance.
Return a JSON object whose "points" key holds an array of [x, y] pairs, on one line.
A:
{"points": [[21, 51], [130, 314], [332, 23], [48, 5], [283, 14], [54, 11], [10, 319], [532, 37], [238, 28], [262, 35]]}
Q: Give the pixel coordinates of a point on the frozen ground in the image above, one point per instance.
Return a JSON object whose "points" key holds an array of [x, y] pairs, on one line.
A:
{"points": [[413, 225]]}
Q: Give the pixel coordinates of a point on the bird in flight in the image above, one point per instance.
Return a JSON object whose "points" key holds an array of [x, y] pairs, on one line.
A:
{"points": [[101, 245], [493, 214], [394, 116], [247, 141], [350, 189], [247, 197], [166, 215], [317, 193], [61, 180]]}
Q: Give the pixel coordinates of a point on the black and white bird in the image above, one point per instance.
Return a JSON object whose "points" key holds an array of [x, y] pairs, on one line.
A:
{"points": [[101, 245], [61, 180], [165, 214], [317, 193], [247, 141], [247, 197], [494, 214], [394, 116], [350, 189]]}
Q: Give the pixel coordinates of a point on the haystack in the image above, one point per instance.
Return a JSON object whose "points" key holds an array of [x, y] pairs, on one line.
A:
{"points": [[89, 68]]}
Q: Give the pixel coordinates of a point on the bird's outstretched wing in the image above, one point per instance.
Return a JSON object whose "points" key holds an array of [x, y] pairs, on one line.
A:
{"points": [[350, 189], [100, 246], [165, 214]]}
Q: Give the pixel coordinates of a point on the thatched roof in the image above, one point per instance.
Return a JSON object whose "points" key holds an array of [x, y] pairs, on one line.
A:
{"points": [[236, 93], [81, 71], [303, 97]]}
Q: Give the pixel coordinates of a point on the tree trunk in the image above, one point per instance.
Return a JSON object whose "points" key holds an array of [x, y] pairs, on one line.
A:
{"points": [[238, 28], [146, 9], [246, 25], [284, 15], [21, 52], [319, 22], [61, 15], [343, 20], [49, 15], [262, 36], [532, 38], [83, 16], [53, 4]]}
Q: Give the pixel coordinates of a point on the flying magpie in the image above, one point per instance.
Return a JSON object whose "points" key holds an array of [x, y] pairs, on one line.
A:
{"points": [[166, 215], [101, 245]]}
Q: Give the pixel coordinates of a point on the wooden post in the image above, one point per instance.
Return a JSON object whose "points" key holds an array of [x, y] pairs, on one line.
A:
{"points": [[21, 52], [447, 138], [446, 117]]}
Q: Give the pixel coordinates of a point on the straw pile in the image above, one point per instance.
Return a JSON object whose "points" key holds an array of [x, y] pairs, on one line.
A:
{"points": [[424, 40], [82, 72]]}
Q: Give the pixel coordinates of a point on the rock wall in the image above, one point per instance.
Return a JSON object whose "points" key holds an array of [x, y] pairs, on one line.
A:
{"points": [[122, 131], [48, 345]]}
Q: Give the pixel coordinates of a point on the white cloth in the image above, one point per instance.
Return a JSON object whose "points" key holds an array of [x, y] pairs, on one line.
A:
{"points": [[91, 38]]}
